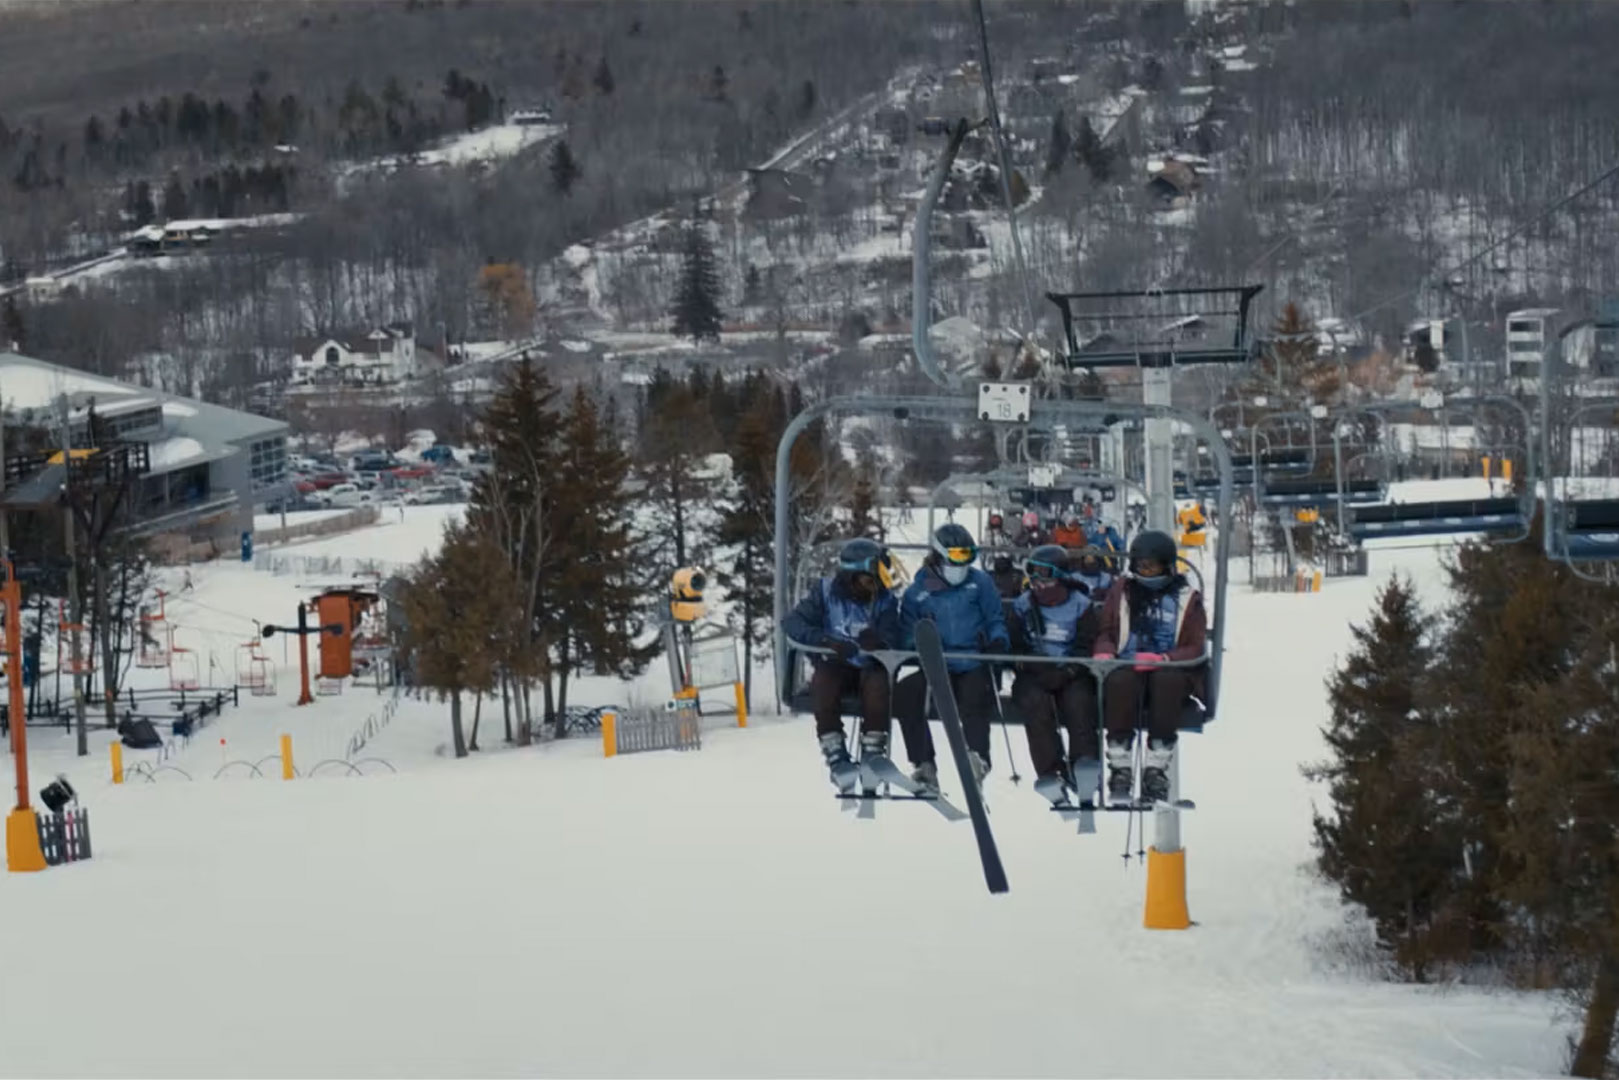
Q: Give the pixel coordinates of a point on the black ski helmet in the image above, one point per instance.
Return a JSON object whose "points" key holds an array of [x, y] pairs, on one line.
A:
{"points": [[866, 556], [1052, 558], [954, 544], [1156, 545]]}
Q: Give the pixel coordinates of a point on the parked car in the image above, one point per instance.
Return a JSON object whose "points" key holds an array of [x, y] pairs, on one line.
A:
{"points": [[438, 455]]}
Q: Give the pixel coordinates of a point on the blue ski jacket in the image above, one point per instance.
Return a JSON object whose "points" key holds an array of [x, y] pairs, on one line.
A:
{"points": [[963, 613], [828, 611]]}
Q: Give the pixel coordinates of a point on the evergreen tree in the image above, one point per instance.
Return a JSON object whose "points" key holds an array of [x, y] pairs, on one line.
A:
{"points": [[1294, 357], [604, 76], [1385, 845], [93, 136], [598, 602], [11, 327], [144, 210], [564, 170], [806, 99], [677, 437], [747, 526], [1088, 148], [1058, 145], [459, 611], [175, 205], [515, 505], [1562, 838], [696, 311]]}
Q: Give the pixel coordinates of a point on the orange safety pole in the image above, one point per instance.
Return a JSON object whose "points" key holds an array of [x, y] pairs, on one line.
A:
{"points": [[23, 853]]}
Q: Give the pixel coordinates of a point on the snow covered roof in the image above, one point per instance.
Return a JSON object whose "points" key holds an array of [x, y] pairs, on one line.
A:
{"points": [[30, 385]]}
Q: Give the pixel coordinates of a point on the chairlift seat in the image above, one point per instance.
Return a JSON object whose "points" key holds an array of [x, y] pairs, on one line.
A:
{"points": [[1315, 492], [1436, 518], [1594, 516], [1282, 458]]}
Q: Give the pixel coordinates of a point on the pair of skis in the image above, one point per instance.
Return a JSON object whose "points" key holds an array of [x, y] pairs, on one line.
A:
{"points": [[930, 651]]}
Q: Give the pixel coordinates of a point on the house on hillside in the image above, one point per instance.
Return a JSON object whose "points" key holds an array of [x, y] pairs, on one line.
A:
{"points": [[1172, 185], [530, 117], [377, 357]]}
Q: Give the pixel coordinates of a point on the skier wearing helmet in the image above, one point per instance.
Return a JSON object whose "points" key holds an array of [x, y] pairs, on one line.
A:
{"points": [[1152, 615], [1055, 618], [996, 536], [962, 601], [1068, 534], [1030, 536], [853, 613]]}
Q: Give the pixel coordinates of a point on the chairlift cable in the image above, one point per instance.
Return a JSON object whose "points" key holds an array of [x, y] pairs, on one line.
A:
{"points": [[1005, 162], [1511, 235]]}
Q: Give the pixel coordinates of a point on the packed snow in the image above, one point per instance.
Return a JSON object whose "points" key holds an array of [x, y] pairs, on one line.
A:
{"points": [[718, 913]]}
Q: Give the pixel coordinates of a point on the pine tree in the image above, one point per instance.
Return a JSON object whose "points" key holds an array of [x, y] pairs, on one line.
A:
{"points": [[1058, 145], [514, 504], [604, 76], [564, 169], [14, 335], [1563, 838], [696, 311], [175, 206], [598, 603], [458, 612], [1385, 845], [677, 437], [747, 527], [1297, 373]]}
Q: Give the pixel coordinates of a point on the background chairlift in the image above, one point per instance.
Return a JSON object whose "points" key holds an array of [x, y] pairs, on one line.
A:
{"points": [[153, 630]]}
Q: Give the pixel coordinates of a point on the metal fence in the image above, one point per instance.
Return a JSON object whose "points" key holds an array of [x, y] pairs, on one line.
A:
{"points": [[358, 518], [679, 728], [321, 565]]}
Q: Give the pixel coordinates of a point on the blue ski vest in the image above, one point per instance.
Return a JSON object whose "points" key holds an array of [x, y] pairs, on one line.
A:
{"points": [[1160, 629], [1052, 629]]}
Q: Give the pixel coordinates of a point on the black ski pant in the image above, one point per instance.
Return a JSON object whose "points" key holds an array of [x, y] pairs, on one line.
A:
{"points": [[1047, 696], [975, 693], [833, 681], [1165, 691]]}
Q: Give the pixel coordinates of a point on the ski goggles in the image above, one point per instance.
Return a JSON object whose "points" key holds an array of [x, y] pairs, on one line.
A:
{"points": [[876, 567], [1043, 570], [959, 556]]}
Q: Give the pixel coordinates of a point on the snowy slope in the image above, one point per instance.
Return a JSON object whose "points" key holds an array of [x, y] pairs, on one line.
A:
{"points": [[718, 913]]}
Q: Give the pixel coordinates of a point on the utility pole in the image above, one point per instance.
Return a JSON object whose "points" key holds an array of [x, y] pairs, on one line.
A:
{"points": [[70, 543]]}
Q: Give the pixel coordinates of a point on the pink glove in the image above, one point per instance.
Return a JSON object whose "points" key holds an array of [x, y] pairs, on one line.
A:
{"points": [[1102, 656], [1144, 660]]}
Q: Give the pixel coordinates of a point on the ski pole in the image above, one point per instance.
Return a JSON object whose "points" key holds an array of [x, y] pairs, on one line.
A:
{"points": [[995, 691]]}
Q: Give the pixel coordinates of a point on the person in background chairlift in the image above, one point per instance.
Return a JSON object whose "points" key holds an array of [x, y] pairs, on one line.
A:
{"points": [[1055, 617], [1152, 614], [1031, 535], [853, 612], [1099, 534], [1069, 534], [962, 601], [1091, 569], [996, 536], [1007, 577], [1194, 524]]}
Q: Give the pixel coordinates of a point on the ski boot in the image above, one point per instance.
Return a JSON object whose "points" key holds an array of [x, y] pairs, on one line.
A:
{"points": [[980, 766], [1121, 777], [873, 744], [1086, 777], [926, 776], [1155, 773], [1053, 788], [844, 772]]}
